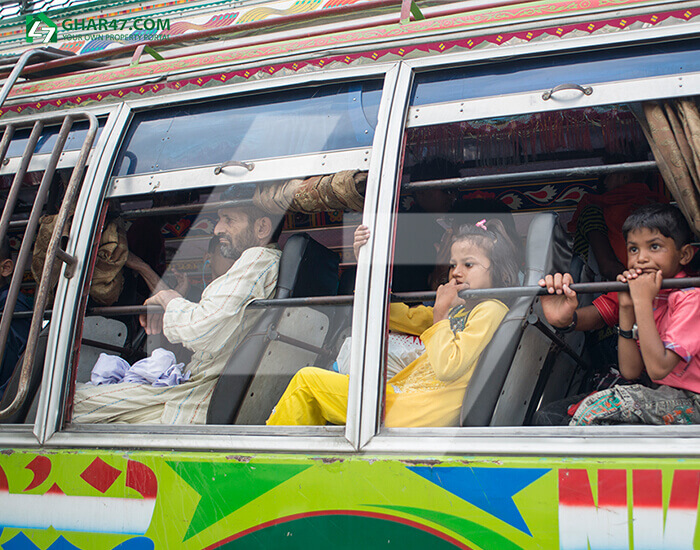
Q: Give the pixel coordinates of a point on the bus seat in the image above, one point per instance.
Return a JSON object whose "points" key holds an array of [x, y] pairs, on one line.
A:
{"points": [[21, 415], [259, 370], [98, 329], [516, 346]]}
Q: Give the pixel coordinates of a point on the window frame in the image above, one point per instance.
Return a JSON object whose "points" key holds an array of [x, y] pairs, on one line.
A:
{"points": [[211, 437], [517, 440]]}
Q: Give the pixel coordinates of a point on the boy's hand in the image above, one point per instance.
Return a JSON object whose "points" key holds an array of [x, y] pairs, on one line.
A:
{"points": [[360, 239], [447, 297], [624, 298], [645, 287], [560, 305]]}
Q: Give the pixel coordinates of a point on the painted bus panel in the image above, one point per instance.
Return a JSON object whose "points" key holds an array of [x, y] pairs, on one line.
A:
{"points": [[140, 500]]}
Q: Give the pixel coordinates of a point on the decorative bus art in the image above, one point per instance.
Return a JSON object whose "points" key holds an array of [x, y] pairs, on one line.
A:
{"points": [[270, 274]]}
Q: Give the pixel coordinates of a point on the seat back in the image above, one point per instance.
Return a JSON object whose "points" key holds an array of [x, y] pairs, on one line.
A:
{"points": [[307, 268], [546, 250], [20, 415]]}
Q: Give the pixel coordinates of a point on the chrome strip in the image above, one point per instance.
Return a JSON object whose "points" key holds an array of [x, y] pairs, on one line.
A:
{"points": [[67, 159], [625, 91], [275, 169], [608, 441], [69, 291], [382, 225], [365, 72], [213, 439], [360, 310]]}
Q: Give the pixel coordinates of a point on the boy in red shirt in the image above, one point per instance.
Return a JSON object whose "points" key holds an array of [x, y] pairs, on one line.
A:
{"points": [[656, 332]]}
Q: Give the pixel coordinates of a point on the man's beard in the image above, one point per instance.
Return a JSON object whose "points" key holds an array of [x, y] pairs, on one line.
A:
{"points": [[233, 251]]}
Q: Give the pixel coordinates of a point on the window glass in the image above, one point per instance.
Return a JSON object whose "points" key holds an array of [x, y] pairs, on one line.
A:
{"points": [[205, 255], [545, 72], [47, 141], [471, 216], [309, 120]]}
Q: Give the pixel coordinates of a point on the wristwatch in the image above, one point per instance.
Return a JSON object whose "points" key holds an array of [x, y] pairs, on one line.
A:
{"points": [[628, 334]]}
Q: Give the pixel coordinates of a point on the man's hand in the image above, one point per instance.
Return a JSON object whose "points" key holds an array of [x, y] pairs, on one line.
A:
{"points": [[447, 297], [645, 287], [360, 239], [560, 304], [153, 322], [183, 282]]}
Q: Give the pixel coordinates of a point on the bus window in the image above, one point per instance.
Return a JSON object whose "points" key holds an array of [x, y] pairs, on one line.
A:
{"points": [[489, 206], [248, 276], [228, 261], [311, 120], [215, 280]]}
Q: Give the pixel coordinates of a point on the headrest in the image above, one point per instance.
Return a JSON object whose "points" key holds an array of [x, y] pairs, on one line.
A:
{"points": [[307, 268]]}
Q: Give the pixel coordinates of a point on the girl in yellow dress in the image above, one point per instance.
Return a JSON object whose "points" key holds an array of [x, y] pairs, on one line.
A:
{"points": [[429, 391]]}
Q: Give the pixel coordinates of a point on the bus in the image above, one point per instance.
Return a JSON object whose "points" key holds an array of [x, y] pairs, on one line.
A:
{"points": [[124, 138]]}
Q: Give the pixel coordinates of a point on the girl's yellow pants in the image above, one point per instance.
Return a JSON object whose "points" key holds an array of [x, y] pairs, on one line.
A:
{"points": [[313, 397]]}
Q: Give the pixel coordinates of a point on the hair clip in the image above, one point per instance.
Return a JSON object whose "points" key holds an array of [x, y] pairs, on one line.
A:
{"points": [[481, 224]]}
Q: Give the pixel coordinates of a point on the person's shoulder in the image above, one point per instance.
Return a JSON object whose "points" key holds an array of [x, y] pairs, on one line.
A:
{"points": [[260, 253]]}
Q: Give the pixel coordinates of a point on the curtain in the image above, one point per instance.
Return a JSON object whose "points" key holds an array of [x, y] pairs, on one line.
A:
{"points": [[672, 128]]}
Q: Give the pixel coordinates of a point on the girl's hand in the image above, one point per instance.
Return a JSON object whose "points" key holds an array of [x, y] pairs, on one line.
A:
{"points": [[624, 298], [447, 297], [360, 239], [645, 287]]}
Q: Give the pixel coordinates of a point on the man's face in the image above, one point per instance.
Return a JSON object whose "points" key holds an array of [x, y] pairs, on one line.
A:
{"points": [[235, 232]]}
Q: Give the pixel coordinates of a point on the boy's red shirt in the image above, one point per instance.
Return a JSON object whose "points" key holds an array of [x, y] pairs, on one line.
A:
{"points": [[676, 314]]}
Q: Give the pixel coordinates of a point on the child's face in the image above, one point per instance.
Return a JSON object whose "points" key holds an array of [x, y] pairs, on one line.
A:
{"points": [[470, 265], [650, 251], [6, 268]]}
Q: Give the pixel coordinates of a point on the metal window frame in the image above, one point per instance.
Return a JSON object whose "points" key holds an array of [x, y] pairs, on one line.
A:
{"points": [[647, 441], [268, 169], [623, 91], [40, 162], [260, 438]]}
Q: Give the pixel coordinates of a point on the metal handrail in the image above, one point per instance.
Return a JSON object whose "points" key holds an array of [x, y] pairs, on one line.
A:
{"points": [[565, 173], [470, 181], [579, 288], [13, 193], [19, 67], [505, 292], [67, 206]]}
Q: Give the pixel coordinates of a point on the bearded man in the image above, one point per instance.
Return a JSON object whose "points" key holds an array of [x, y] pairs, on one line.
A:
{"points": [[212, 328]]}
